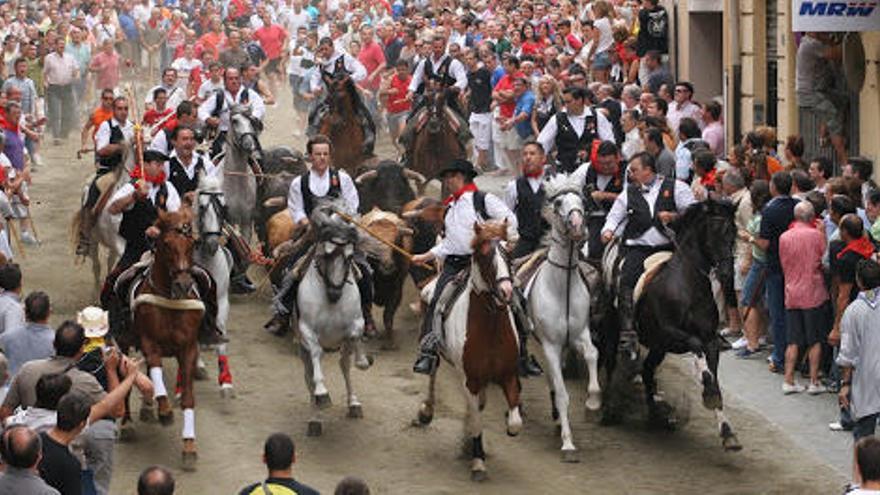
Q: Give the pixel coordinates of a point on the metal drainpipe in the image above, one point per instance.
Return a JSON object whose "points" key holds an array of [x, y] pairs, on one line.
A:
{"points": [[734, 114]]}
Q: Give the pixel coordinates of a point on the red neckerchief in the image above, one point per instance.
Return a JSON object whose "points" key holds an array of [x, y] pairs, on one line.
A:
{"points": [[861, 246], [708, 180], [536, 174], [452, 198], [137, 173], [9, 126]]}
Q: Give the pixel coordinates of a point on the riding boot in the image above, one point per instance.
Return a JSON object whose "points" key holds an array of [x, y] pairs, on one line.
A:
{"points": [[427, 361], [239, 283], [368, 126], [283, 306], [629, 340], [527, 364], [365, 288]]}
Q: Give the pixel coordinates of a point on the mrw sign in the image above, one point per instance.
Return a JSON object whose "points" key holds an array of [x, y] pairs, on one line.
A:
{"points": [[820, 15]]}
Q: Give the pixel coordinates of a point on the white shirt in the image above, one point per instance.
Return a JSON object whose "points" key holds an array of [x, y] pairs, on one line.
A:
{"points": [[159, 142], [105, 32], [208, 87], [102, 136], [172, 201], [320, 185], [460, 218], [690, 109], [510, 195], [190, 169], [547, 137], [255, 102], [184, 67], [294, 21], [632, 143], [456, 70], [174, 93], [684, 197], [352, 65]]}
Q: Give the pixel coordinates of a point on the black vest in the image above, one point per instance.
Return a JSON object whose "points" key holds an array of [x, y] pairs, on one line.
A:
{"points": [[220, 100], [640, 218], [309, 197], [615, 185], [338, 70], [568, 144], [136, 220], [441, 74], [529, 221], [116, 137], [180, 180]]}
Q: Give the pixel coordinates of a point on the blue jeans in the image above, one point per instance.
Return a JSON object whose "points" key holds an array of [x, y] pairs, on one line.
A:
{"points": [[776, 307]]}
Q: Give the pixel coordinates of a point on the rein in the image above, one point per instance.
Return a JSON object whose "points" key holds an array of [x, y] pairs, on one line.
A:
{"points": [[220, 208], [346, 261]]}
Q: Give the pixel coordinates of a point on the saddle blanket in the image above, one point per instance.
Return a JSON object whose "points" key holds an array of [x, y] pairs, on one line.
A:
{"points": [[652, 265]]}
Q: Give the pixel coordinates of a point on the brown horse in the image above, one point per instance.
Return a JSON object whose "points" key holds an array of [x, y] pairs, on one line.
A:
{"points": [[436, 141], [167, 315], [342, 125], [480, 342]]}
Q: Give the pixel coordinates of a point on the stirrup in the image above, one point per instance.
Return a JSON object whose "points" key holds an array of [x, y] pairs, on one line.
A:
{"points": [[426, 363]]}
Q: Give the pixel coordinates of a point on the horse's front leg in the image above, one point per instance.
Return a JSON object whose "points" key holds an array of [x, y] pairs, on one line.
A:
{"points": [[361, 360], [559, 396], [354, 405], [474, 428], [584, 344], [309, 341], [714, 401], [186, 362], [511, 389], [153, 355]]}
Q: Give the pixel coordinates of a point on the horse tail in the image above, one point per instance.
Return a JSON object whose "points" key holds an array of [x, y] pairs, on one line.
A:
{"points": [[73, 231]]}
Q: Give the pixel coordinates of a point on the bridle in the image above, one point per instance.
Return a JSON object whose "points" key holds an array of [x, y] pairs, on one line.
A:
{"points": [[184, 230], [346, 260], [220, 208]]}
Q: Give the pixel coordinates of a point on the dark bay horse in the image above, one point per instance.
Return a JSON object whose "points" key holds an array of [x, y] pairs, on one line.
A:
{"points": [[677, 312], [342, 125], [167, 314], [480, 342], [435, 142]]}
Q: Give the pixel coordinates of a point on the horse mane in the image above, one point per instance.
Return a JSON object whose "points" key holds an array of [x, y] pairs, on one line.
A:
{"points": [[493, 230], [171, 220], [210, 183], [697, 212], [328, 224]]}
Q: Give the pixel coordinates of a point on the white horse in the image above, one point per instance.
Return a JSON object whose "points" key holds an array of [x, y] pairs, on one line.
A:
{"points": [[210, 206], [329, 310], [105, 229], [241, 150], [559, 301]]}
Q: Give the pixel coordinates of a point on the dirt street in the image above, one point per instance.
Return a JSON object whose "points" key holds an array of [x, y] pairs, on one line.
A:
{"points": [[382, 447]]}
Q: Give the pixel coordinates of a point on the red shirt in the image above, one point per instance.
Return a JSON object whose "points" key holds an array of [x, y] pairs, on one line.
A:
{"points": [[397, 101], [372, 56], [532, 47], [506, 84], [801, 248], [212, 42], [271, 39], [152, 116]]}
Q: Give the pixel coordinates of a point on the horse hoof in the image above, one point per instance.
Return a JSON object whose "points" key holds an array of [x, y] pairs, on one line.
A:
{"points": [[425, 417], [570, 456], [147, 414], [355, 411], [731, 443], [201, 373], [364, 363], [594, 402], [315, 429], [188, 461], [712, 401], [227, 391], [479, 475], [166, 419], [323, 401]]}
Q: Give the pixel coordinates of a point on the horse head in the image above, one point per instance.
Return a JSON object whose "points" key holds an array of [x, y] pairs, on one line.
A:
{"points": [[436, 103], [210, 208], [243, 132], [564, 207], [174, 252], [487, 237], [708, 227], [334, 248]]}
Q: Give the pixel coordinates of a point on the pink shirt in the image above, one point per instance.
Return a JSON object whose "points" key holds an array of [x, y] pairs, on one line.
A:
{"points": [[371, 56], [108, 69], [714, 135], [800, 252]]}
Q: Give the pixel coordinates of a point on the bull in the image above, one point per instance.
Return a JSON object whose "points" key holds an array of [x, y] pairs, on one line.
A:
{"points": [[387, 187]]}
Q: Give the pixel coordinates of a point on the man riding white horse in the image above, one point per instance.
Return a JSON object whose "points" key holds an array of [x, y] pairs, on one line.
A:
{"points": [[603, 183], [644, 211], [320, 182], [334, 66], [440, 72], [215, 111], [110, 142], [466, 206]]}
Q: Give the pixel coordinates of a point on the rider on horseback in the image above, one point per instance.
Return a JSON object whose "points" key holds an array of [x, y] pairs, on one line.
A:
{"points": [[215, 111], [603, 183], [440, 72], [573, 131], [650, 203], [465, 207], [110, 142], [338, 66], [186, 166], [321, 181]]}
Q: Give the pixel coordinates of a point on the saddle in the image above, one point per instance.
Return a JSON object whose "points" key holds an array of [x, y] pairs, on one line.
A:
{"points": [[451, 292], [105, 184], [526, 267], [652, 265]]}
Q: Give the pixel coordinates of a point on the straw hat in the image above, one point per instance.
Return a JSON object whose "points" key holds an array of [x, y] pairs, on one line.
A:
{"points": [[94, 320]]}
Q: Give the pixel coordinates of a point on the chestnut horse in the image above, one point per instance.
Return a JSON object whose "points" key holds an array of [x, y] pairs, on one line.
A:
{"points": [[167, 315], [436, 142], [480, 342], [342, 126]]}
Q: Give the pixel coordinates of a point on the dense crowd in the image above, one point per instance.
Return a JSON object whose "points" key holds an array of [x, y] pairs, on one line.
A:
{"points": [[804, 275]]}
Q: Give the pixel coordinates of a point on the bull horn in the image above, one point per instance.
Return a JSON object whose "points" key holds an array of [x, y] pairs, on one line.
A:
{"points": [[368, 175], [406, 231], [412, 174], [275, 202], [411, 214]]}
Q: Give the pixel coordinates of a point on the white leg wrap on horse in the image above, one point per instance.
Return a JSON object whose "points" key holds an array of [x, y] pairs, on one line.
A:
{"points": [[158, 382], [189, 423], [221, 350]]}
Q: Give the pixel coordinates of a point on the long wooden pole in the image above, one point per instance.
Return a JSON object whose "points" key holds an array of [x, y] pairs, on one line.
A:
{"points": [[395, 247]]}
